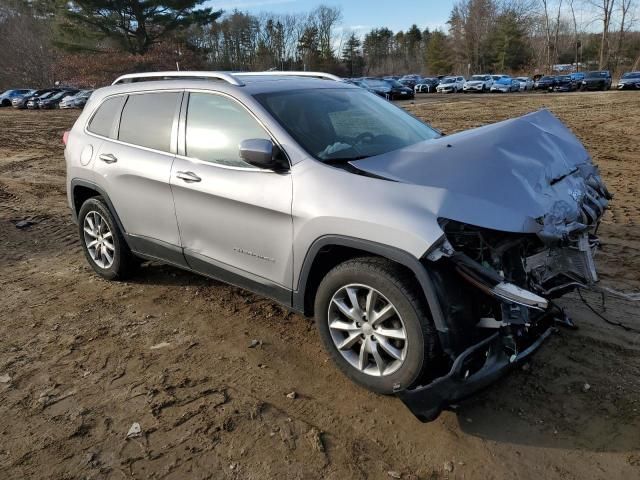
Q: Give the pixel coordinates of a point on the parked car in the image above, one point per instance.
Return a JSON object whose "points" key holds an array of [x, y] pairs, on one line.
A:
{"points": [[53, 101], [564, 83], [629, 80], [577, 78], [33, 103], [21, 102], [546, 83], [410, 80], [450, 85], [328, 207], [478, 83], [526, 83], [597, 80], [7, 96], [375, 85], [426, 85], [76, 101], [399, 91], [504, 84]]}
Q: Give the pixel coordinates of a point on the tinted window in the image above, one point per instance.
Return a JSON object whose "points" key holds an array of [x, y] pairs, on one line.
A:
{"points": [[147, 120], [103, 119], [215, 127]]}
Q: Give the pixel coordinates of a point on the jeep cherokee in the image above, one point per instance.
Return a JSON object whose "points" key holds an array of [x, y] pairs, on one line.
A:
{"points": [[429, 262]]}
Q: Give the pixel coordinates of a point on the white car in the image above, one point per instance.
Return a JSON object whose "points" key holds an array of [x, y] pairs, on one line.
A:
{"points": [[478, 83], [526, 83], [451, 85]]}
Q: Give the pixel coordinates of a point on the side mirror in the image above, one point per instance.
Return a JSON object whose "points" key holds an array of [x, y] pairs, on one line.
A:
{"points": [[261, 153]]}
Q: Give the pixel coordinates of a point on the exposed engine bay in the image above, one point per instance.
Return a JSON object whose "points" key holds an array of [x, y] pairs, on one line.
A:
{"points": [[496, 287]]}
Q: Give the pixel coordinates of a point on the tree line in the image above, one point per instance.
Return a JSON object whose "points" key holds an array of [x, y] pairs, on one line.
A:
{"points": [[88, 42]]}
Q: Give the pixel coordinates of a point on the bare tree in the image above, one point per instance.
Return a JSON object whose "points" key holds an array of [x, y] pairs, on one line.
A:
{"points": [[26, 58], [326, 19], [552, 30], [625, 21], [605, 12]]}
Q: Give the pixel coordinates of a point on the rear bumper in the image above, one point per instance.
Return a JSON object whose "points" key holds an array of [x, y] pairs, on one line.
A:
{"points": [[488, 361]]}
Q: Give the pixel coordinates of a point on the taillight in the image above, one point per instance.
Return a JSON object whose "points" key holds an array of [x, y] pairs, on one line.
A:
{"points": [[65, 137]]}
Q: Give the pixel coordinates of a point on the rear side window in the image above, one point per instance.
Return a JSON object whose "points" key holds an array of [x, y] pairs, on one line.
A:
{"points": [[147, 120], [215, 127], [104, 118]]}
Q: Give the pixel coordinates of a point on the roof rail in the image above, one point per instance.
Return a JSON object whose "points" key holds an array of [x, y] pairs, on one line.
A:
{"points": [[172, 75], [276, 73]]}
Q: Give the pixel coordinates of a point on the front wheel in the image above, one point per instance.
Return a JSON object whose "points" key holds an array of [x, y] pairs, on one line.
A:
{"points": [[104, 245], [374, 323]]}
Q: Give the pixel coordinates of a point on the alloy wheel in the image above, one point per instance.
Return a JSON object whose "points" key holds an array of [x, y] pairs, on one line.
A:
{"points": [[98, 239], [367, 330]]}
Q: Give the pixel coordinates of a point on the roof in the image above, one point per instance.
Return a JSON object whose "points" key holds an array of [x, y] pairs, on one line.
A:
{"points": [[248, 82]]}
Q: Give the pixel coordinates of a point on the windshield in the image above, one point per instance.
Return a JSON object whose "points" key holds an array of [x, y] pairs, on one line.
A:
{"points": [[448, 80], [631, 75], [596, 74], [343, 124], [547, 78], [478, 77], [393, 83]]}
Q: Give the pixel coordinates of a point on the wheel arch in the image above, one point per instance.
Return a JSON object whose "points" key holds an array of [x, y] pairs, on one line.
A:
{"points": [[82, 190], [328, 251]]}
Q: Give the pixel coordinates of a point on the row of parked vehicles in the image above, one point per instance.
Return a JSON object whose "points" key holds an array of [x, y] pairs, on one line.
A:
{"points": [[46, 98], [396, 87], [407, 87]]}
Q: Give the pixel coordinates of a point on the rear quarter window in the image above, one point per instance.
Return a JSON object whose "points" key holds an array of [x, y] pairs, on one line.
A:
{"points": [[147, 119], [103, 120]]}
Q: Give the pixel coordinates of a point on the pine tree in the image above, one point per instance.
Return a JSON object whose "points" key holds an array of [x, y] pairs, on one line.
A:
{"points": [[137, 24], [352, 56], [439, 55]]}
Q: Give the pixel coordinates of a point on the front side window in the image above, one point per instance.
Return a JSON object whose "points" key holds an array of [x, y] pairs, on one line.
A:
{"points": [[338, 124], [102, 121], [147, 120], [215, 127]]}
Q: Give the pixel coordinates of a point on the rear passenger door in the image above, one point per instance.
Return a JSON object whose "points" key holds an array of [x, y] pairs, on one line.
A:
{"points": [[235, 219], [134, 165]]}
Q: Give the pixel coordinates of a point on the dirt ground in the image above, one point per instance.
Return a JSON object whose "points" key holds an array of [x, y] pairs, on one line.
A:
{"points": [[82, 359]]}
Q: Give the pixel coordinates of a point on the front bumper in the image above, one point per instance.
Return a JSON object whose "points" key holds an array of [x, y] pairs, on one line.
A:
{"points": [[474, 369], [629, 86], [473, 88]]}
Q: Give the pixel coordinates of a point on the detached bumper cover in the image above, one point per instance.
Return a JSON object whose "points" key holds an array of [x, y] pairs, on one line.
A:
{"points": [[495, 356]]}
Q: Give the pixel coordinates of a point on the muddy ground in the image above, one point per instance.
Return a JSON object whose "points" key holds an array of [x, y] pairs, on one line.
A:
{"points": [[78, 365]]}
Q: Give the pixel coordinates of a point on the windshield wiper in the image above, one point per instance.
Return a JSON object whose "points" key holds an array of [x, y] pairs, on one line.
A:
{"points": [[344, 159]]}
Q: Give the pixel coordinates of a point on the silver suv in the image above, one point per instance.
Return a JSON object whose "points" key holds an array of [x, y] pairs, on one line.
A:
{"points": [[430, 262]]}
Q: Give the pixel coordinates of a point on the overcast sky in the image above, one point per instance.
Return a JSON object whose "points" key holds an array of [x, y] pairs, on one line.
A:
{"points": [[358, 15]]}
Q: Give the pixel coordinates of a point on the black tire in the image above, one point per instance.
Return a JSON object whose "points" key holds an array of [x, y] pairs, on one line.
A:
{"points": [[124, 262], [400, 289]]}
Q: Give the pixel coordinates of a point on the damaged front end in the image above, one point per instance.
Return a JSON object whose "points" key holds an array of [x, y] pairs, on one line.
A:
{"points": [[495, 288], [495, 292]]}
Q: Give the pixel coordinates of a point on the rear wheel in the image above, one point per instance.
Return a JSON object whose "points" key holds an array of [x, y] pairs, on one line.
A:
{"points": [[375, 325], [104, 246]]}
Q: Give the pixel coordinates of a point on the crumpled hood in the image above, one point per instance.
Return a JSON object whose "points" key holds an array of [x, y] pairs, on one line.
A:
{"points": [[527, 174]]}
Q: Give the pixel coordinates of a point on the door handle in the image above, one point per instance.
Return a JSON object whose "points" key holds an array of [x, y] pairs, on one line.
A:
{"points": [[188, 177], [108, 157]]}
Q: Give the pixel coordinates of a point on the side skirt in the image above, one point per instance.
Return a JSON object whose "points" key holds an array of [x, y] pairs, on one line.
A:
{"points": [[154, 250]]}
